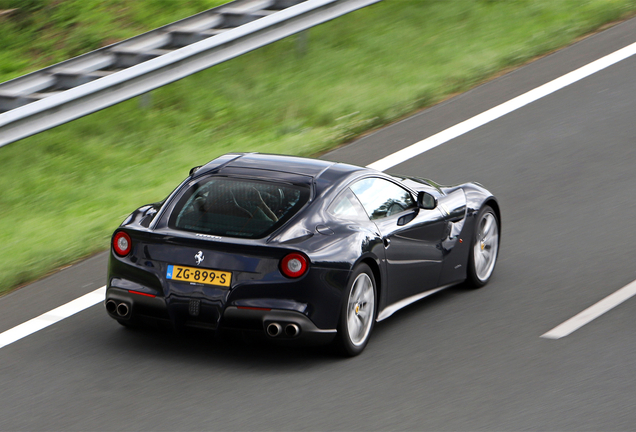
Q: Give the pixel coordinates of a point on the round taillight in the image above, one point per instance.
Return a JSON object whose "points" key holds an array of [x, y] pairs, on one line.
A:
{"points": [[294, 265], [122, 243]]}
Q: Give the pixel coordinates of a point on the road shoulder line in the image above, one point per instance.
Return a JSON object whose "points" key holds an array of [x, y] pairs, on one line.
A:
{"points": [[51, 317], [502, 109]]}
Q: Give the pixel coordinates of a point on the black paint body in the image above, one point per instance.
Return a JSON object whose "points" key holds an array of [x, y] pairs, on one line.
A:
{"points": [[409, 253]]}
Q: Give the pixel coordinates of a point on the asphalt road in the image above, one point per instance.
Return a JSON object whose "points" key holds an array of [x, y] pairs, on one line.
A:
{"points": [[563, 169]]}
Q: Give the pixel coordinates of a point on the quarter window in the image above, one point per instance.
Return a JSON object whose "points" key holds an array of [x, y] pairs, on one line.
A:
{"points": [[346, 206], [382, 198]]}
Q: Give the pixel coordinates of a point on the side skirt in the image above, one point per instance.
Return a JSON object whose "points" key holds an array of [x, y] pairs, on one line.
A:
{"points": [[391, 309]]}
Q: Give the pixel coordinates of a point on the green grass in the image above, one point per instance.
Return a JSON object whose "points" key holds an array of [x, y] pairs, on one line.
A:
{"points": [[42, 32], [64, 191]]}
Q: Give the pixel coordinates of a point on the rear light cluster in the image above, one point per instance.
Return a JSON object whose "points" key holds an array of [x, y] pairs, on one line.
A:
{"points": [[122, 244], [294, 265]]}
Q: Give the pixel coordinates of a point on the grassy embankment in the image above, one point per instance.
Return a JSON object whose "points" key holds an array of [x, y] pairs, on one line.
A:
{"points": [[62, 192], [38, 33]]}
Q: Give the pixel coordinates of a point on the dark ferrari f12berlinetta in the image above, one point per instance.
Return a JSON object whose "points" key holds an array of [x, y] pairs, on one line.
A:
{"points": [[298, 250]]}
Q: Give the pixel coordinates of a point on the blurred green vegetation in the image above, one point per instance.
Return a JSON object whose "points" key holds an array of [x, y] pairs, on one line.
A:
{"points": [[64, 191], [38, 33]]}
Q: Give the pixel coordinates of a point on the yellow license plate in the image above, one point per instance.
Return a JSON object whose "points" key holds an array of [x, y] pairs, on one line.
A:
{"points": [[199, 275]]}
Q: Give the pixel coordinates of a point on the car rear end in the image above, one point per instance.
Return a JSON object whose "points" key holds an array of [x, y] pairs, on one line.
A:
{"points": [[208, 261]]}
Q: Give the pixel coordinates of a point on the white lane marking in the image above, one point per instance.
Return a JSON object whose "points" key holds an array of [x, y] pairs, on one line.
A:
{"points": [[503, 109], [593, 312], [51, 317], [396, 158]]}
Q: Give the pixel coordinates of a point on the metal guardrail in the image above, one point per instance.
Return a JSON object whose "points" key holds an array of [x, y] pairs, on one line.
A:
{"points": [[96, 80]]}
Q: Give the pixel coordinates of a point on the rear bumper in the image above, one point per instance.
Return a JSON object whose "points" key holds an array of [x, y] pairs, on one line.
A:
{"points": [[208, 314], [258, 320], [140, 307]]}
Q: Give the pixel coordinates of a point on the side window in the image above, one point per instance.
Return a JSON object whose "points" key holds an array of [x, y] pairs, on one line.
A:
{"points": [[346, 206], [382, 198]]}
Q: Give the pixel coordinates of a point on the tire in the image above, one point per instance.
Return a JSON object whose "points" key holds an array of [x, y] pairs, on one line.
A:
{"points": [[357, 313], [484, 248]]}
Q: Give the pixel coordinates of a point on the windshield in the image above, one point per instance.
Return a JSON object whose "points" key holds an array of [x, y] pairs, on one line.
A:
{"points": [[237, 207]]}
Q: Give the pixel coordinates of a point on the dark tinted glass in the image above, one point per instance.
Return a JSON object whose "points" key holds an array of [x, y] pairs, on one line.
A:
{"points": [[382, 198], [237, 207]]}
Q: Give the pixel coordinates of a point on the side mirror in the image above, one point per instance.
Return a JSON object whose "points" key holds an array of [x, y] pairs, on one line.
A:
{"points": [[193, 170], [426, 201]]}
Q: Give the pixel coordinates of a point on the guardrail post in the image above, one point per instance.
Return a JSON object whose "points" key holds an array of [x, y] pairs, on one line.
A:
{"points": [[302, 40], [145, 100]]}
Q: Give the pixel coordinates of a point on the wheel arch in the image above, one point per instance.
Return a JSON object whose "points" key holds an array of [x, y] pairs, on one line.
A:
{"points": [[492, 202], [375, 269]]}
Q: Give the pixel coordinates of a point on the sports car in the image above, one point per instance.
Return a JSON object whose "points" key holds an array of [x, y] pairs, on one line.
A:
{"points": [[298, 250]]}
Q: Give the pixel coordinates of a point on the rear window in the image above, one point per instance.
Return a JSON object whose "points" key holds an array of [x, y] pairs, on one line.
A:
{"points": [[237, 207]]}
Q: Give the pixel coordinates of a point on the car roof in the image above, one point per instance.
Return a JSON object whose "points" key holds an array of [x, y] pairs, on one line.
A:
{"points": [[299, 166], [288, 164]]}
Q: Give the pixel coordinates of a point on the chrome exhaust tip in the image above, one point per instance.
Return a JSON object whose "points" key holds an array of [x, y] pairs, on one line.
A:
{"points": [[111, 307], [274, 329], [292, 330], [122, 309]]}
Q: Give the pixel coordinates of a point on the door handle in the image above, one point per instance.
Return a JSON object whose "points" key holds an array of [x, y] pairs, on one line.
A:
{"points": [[387, 242]]}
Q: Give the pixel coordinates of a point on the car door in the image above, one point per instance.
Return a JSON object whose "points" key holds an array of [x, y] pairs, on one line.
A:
{"points": [[412, 236]]}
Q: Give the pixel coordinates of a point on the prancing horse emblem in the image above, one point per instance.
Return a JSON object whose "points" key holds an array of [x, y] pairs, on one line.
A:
{"points": [[199, 257]]}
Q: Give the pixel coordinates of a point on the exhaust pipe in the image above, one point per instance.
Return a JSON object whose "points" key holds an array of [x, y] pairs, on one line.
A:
{"points": [[122, 309], [111, 307], [292, 330], [274, 329]]}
